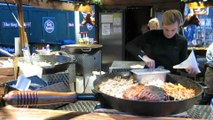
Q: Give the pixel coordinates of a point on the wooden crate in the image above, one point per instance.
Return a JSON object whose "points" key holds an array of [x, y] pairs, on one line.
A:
{"points": [[1, 91], [6, 73], [4, 79]]}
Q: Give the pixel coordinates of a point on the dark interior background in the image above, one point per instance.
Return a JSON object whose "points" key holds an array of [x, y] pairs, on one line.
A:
{"points": [[135, 17]]}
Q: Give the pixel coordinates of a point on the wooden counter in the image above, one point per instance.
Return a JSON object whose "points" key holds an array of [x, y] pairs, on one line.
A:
{"points": [[13, 113], [199, 51], [197, 48]]}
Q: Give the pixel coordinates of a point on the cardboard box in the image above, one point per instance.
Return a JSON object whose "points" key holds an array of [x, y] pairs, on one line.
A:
{"points": [[4, 79], [6, 71]]}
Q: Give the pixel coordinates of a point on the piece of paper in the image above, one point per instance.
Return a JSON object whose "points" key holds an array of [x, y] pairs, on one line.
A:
{"points": [[105, 29], [117, 29], [17, 46], [117, 21], [22, 83], [107, 18], [188, 63]]}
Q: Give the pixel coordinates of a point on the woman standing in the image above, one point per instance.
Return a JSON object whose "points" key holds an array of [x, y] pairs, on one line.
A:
{"points": [[162, 47]]}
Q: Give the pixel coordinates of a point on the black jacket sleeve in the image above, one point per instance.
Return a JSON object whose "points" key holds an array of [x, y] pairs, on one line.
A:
{"points": [[134, 47], [184, 52]]}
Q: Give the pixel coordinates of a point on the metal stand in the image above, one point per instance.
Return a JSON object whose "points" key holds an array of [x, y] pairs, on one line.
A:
{"points": [[86, 62]]}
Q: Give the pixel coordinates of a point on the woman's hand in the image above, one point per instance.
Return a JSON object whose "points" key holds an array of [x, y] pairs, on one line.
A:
{"points": [[149, 62]]}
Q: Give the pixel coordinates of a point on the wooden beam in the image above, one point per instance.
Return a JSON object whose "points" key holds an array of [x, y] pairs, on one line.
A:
{"points": [[56, 4], [51, 4], [136, 2]]}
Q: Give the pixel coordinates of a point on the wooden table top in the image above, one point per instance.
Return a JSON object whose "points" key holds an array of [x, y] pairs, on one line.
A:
{"points": [[13, 113], [197, 48]]}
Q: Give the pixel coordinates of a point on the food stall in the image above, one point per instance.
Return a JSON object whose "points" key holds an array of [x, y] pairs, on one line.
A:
{"points": [[101, 105], [118, 107]]}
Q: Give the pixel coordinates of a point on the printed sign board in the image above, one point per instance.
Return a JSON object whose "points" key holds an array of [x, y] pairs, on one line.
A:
{"points": [[49, 29], [49, 26], [15, 24]]}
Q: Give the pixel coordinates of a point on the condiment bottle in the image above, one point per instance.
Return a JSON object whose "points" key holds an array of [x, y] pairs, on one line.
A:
{"points": [[86, 39]]}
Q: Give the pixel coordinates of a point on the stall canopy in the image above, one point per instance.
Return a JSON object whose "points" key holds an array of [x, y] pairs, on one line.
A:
{"points": [[51, 4], [75, 5]]}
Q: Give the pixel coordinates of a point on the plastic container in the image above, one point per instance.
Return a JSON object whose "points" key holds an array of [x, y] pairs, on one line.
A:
{"points": [[146, 75], [36, 84]]}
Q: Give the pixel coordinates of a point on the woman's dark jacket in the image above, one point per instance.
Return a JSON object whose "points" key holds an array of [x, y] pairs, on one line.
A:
{"points": [[165, 52]]}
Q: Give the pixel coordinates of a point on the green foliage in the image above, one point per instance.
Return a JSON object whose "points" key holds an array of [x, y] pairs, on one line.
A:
{"points": [[99, 5]]}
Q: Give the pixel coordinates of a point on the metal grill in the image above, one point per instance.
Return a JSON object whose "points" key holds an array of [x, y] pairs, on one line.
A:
{"points": [[80, 106], [196, 112], [200, 111], [68, 77], [55, 78]]}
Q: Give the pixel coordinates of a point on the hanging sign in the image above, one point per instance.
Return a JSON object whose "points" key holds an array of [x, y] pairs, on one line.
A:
{"points": [[49, 26], [71, 24], [15, 24]]}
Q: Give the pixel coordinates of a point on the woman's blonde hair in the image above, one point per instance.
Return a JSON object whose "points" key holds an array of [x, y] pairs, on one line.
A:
{"points": [[172, 16], [154, 21]]}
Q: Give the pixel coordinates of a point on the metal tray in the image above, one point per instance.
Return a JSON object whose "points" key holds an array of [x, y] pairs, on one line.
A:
{"points": [[147, 75], [81, 48]]}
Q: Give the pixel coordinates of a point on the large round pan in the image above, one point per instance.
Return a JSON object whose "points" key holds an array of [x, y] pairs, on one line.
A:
{"points": [[63, 62], [147, 107], [59, 63]]}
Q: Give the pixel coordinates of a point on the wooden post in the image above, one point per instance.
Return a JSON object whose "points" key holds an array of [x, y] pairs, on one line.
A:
{"points": [[22, 28], [21, 35]]}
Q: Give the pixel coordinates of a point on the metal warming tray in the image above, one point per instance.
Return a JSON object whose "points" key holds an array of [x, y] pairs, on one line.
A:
{"points": [[81, 48], [147, 75], [87, 56], [124, 66]]}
